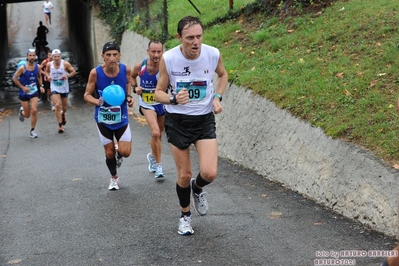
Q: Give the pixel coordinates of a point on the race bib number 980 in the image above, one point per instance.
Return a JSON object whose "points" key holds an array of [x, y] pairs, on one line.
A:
{"points": [[109, 115]]}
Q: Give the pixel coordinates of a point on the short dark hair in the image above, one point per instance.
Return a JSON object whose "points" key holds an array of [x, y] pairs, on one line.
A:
{"points": [[190, 21], [111, 46], [154, 41]]}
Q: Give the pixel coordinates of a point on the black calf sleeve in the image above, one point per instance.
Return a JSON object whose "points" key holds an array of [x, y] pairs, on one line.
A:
{"points": [[200, 181], [111, 164], [184, 195]]}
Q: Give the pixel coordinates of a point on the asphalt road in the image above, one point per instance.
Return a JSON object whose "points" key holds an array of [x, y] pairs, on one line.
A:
{"points": [[55, 208]]}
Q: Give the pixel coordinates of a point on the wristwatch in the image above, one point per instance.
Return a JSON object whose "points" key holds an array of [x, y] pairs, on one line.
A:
{"points": [[218, 95], [172, 99], [134, 88]]}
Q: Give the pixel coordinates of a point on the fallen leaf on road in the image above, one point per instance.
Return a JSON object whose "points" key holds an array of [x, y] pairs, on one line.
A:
{"points": [[275, 215]]}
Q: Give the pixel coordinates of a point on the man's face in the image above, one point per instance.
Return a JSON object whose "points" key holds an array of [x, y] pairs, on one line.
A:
{"points": [[155, 52], [56, 58], [49, 56], [191, 40], [31, 57], [111, 58]]}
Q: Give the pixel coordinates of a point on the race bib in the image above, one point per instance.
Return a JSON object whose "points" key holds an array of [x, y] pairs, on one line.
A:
{"points": [[109, 115], [196, 89], [59, 82], [148, 96], [32, 88]]}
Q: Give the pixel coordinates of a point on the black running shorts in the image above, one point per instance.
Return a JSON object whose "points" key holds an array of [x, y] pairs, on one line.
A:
{"points": [[183, 130]]}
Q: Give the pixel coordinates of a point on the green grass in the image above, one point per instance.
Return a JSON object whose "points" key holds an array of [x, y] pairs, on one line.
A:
{"points": [[338, 70]]}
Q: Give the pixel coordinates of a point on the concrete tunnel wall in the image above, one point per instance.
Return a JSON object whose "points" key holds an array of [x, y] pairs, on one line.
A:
{"points": [[3, 39], [79, 23], [79, 19]]}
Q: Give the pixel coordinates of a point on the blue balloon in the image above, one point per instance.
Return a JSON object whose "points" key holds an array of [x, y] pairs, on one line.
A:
{"points": [[114, 94], [20, 63]]}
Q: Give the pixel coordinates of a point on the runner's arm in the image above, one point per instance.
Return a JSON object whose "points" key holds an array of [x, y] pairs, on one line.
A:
{"points": [[135, 74], [222, 77], [90, 87], [16, 76], [163, 81], [69, 69], [129, 79]]}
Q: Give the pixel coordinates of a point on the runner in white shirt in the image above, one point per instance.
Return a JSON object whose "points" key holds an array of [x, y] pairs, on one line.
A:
{"points": [[47, 6], [58, 72], [186, 71]]}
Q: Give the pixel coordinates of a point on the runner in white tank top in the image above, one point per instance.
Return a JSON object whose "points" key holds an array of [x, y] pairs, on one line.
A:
{"points": [[186, 72], [58, 73]]}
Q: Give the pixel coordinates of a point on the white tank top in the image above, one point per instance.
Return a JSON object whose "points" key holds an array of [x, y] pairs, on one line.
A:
{"points": [[57, 84], [195, 75], [47, 7]]}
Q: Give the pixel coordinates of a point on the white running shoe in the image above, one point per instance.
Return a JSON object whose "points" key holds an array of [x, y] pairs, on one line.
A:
{"points": [[21, 117], [159, 171], [114, 183], [185, 226], [152, 163], [200, 202], [33, 135]]}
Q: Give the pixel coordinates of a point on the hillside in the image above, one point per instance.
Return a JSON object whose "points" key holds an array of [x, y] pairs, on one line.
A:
{"points": [[331, 64]]}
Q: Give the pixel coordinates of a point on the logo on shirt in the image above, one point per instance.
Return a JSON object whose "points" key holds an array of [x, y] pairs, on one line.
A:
{"points": [[186, 72]]}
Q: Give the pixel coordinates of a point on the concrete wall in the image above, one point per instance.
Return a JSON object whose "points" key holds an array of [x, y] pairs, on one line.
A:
{"points": [[254, 133], [3, 39], [79, 21]]}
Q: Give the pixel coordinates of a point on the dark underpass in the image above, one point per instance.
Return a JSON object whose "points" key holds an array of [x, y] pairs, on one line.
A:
{"points": [[79, 24]]}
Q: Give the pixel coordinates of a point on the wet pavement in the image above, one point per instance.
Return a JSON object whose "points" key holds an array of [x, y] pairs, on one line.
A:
{"points": [[24, 20], [55, 208]]}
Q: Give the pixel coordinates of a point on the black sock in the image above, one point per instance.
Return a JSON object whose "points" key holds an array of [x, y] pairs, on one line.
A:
{"points": [[184, 195], [111, 163], [32, 129], [60, 124], [196, 189], [185, 214], [385, 263]]}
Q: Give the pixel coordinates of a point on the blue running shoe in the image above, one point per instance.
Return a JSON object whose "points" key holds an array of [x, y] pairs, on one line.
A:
{"points": [[159, 171], [152, 163]]}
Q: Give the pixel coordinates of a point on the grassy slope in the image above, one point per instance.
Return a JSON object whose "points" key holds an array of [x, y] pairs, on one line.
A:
{"points": [[337, 69]]}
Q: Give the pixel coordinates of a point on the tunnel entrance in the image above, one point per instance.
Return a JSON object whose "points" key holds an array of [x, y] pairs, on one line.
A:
{"points": [[77, 25]]}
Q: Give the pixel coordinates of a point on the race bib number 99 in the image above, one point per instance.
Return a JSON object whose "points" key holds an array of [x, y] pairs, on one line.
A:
{"points": [[196, 89], [109, 115]]}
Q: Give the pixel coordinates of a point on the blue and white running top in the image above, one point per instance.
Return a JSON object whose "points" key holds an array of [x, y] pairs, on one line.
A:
{"points": [[148, 82], [29, 79], [113, 117]]}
